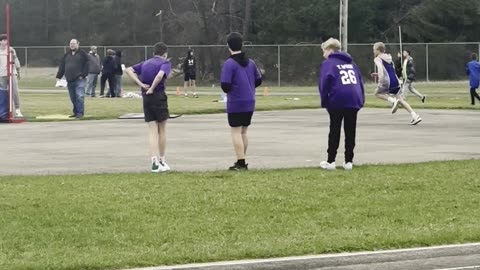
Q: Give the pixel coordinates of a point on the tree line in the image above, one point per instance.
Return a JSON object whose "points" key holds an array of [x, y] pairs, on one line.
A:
{"points": [[143, 22]]}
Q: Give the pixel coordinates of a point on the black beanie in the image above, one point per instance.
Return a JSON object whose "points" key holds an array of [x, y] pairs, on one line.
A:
{"points": [[235, 41]]}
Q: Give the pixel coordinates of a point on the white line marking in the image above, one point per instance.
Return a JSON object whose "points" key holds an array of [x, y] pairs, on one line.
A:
{"points": [[460, 268], [308, 257]]}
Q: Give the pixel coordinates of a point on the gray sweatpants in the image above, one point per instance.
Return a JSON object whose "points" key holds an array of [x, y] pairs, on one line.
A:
{"points": [[408, 85], [4, 85]]}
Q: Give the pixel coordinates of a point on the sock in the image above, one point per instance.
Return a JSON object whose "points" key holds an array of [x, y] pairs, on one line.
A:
{"points": [[241, 162], [155, 160], [391, 99], [414, 115], [162, 158]]}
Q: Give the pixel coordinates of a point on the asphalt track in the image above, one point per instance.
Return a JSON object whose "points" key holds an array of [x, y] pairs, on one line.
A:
{"points": [[278, 139]]}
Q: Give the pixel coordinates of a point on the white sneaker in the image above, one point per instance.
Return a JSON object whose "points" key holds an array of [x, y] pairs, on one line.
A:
{"points": [[18, 113], [416, 120], [395, 105], [348, 166], [156, 167], [327, 166], [164, 166]]}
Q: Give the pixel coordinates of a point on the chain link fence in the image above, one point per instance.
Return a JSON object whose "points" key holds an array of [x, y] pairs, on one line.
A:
{"points": [[284, 65]]}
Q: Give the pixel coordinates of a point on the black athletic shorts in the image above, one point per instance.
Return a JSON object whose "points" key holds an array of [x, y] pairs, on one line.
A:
{"points": [[243, 119], [155, 107], [190, 76]]}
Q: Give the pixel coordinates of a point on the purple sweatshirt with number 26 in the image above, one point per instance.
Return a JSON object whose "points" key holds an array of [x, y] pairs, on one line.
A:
{"points": [[340, 84], [239, 79]]}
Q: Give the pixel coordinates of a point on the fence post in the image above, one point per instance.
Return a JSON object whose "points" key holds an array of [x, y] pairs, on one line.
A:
{"points": [[279, 68], [478, 49], [146, 52], [26, 61], [427, 62]]}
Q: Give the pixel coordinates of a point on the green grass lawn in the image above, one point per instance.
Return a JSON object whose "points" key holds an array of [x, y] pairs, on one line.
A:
{"points": [[116, 221], [440, 96]]}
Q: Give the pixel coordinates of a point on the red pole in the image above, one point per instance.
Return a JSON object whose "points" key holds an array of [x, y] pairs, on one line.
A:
{"points": [[9, 64]]}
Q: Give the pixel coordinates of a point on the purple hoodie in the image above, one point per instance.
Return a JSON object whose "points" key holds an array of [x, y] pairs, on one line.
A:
{"points": [[239, 79], [340, 83]]}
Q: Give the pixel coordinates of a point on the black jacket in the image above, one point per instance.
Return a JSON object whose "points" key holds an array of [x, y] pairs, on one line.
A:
{"points": [[109, 65], [73, 66], [411, 73]]}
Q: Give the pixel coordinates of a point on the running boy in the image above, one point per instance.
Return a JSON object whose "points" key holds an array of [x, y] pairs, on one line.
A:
{"points": [[151, 76], [342, 94], [473, 71], [388, 85], [409, 76], [239, 79]]}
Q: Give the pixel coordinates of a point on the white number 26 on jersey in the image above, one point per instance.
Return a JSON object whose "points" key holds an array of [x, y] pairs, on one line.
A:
{"points": [[348, 77]]}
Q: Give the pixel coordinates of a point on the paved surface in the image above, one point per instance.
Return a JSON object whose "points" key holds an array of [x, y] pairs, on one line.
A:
{"points": [[278, 139], [436, 258]]}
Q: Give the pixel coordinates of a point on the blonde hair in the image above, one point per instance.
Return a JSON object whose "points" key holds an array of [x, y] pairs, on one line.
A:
{"points": [[379, 46], [332, 43]]}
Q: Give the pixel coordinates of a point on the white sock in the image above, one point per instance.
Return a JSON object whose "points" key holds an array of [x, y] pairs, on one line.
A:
{"points": [[155, 160], [162, 158], [391, 99], [414, 115]]}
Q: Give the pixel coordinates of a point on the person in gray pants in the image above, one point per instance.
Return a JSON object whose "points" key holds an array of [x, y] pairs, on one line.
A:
{"points": [[409, 76], [94, 68]]}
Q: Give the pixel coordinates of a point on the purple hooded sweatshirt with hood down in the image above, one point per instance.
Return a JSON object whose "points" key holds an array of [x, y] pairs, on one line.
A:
{"points": [[340, 83]]}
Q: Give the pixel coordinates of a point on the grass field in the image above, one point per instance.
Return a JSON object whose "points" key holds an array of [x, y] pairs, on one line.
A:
{"points": [[126, 220], [440, 96]]}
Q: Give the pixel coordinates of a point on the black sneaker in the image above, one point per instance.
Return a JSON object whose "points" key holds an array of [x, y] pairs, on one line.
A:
{"points": [[237, 167], [72, 116], [424, 98]]}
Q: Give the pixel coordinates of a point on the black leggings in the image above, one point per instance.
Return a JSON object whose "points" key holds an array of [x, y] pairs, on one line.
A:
{"points": [[473, 95], [349, 117]]}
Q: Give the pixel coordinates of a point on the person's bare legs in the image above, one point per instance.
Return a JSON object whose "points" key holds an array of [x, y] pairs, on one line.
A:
{"points": [[185, 88], [194, 86], [245, 140], [237, 140], [153, 139], [162, 138]]}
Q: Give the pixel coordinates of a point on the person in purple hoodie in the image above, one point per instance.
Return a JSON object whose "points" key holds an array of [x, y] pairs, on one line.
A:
{"points": [[343, 95], [239, 79], [151, 76]]}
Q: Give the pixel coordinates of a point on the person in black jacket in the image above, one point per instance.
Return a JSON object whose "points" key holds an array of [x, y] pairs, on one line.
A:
{"points": [[118, 74], [108, 73], [409, 76], [190, 71], [74, 65]]}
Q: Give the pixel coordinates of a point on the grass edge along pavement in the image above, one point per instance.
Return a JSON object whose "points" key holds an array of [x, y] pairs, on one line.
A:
{"points": [[116, 221], [97, 108]]}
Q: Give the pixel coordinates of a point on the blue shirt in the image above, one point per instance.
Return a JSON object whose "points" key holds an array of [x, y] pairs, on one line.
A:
{"points": [[473, 71]]}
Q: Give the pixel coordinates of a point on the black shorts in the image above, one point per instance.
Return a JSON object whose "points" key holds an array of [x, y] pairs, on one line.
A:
{"points": [[243, 119], [155, 107], [190, 76]]}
